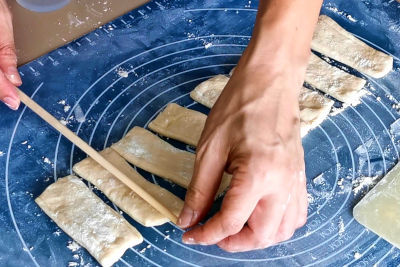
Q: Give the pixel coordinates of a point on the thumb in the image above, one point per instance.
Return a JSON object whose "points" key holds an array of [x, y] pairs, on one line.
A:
{"points": [[208, 170]]}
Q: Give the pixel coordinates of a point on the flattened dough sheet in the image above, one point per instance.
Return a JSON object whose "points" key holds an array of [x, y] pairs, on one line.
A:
{"points": [[334, 81], [123, 196], [179, 123], [379, 210], [335, 42], [88, 220], [149, 152]]}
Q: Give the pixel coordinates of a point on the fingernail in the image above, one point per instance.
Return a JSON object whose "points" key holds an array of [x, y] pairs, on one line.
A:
{"points": [[189, 241], [12, 103], [187, 217], [13, 75]]}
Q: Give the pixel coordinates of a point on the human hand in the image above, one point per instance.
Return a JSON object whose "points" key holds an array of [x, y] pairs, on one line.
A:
{"points": [[253, 133], [9, 76]]}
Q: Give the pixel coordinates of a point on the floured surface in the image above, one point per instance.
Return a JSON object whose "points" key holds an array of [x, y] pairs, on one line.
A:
{"points": [[179, 123], [123, 196], [334, 81], [149, 152], [335, 42], [379, 210], [88, 220]]}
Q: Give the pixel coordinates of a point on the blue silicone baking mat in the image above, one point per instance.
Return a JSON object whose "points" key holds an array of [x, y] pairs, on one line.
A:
{"points": [[124, 73]]}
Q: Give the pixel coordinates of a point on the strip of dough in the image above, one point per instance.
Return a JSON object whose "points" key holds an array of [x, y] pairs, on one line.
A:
{"points": [[88, 220], [123, 196], [207, 92], [149, 152], [334, 81], [335, 42], [179, 123], [314, 108]]}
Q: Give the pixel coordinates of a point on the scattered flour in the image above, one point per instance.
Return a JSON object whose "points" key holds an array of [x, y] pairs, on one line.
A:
{"points": [[73, 246], [80, 117], [67, 108], [122, 73], [61, 102], [319, 179], [207, 45], [46, 160], [1, 153], [357, 255], [363, 182]]}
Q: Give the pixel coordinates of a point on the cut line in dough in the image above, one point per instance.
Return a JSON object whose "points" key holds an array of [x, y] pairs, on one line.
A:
{"points": [[335, 42], [149, 152], [122, 196], [88, 220], [334, 81]]}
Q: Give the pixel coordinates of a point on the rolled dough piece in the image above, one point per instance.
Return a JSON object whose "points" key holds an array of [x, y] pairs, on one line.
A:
{"points": [[207, 92], [334, 81], [335, 42], [149, 152], [314, 108], [123, 196], [179, 123], [88, 220], [379, 210]]}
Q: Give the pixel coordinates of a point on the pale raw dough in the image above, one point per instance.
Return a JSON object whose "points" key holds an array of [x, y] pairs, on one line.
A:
{"points": [[314, 108], [335, 42], [149, 152], [207, 92], [334, 81], [179, 123], [379, 210], [123, 196], [88, 220]]}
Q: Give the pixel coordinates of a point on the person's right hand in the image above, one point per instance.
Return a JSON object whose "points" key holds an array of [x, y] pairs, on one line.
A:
{"points": [[9, 76]]}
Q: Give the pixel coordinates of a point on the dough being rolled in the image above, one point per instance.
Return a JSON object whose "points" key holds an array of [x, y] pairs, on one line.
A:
{"points": [[149, 152], [88, 220], [314, 108], [334, 81], [335, 42], [179, 123], [123, 196], [207, 92]]}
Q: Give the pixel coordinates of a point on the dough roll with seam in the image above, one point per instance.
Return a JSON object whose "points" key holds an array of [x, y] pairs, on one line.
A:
{"points": [[150, 153], [122, 196], [335, 42], [88, 220]]}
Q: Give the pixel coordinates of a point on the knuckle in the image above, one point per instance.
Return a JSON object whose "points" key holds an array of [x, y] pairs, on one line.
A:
{"points": [[195, 194], [7, 49], [231, 225]]}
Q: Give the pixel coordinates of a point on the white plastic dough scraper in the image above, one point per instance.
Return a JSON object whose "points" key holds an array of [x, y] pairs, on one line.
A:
{"points": [[379, 210]]}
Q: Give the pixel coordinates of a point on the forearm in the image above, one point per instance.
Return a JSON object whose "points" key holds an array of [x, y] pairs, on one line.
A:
{"points": [[283, 29]]}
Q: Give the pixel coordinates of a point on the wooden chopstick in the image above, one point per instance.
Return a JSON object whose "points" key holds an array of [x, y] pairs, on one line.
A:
{"points": [[96, 156]]}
